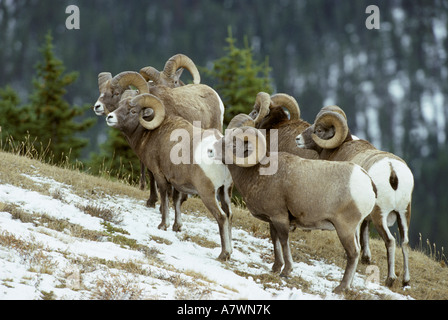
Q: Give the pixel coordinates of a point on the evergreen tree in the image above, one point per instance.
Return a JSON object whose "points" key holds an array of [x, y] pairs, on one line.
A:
{"points": [[116, 159], [239, 78], [14, 118], [52, 117]]}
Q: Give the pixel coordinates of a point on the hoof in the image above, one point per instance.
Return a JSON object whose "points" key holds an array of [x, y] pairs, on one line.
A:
{"points": [[339, 289], [365, 260], [177, 227], [224, 256], [151, 203], [162, 226], [285, 273], [276, 268], [390, 281]]}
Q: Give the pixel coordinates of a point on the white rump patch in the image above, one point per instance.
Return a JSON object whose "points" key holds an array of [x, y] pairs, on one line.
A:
{"points": [[361, 190], [214, 169], [388, 198]]}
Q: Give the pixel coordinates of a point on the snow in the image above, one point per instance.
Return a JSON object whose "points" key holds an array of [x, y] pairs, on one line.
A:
{"points": [[64, 266]]}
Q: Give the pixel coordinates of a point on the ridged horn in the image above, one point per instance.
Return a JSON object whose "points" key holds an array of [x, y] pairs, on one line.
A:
{"points": [[127, 78], [181, 61], [103, 77], [328, 119], [287, 101], [255, 139], [150, 101], [263, 101], [150, 74], [332, 109], [241, 120]]}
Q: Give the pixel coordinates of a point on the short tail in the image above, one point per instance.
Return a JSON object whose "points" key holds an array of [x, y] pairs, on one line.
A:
{"points": [[393, 179]]}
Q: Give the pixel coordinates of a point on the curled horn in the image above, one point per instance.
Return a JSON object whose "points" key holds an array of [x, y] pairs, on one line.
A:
{"points": [[243, 130], [285, 100], [241, 120], [181, 61], [127, 78], [149, 101], [150, 73], [263, 102], [103, 77], [335, 117], [332, 109]]}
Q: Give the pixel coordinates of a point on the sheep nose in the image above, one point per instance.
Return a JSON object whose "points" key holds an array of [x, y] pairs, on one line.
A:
{"points": [[299, 140], [98, 108]]}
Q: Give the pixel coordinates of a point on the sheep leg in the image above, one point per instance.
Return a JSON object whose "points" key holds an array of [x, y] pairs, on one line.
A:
{"points": [[278, 255], [211, 203], [281, 227], [151, 203], [403, 223], [349, 237], [225, 194], [177, 201], [142, 176], [379, 218], [365, 248], [164, 208]]}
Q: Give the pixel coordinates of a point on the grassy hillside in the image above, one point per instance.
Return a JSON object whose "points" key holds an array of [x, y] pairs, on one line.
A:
{"points": [[429, 278]]}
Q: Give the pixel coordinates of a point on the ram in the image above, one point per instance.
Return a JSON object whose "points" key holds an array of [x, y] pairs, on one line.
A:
{"points": [[170, 76], [111, 88], [331, 138], [150, 80], [152, 133], [310, 194], [268, 114]]}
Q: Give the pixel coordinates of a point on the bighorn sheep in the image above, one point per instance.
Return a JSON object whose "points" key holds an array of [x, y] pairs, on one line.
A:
{"points": [[331, 138], [268, 114], [309, 194], [112, 89], [170, 76], [153, 134]]}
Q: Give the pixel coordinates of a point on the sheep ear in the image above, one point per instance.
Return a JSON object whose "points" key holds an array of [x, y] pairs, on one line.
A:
{"points": [[148, 114], [178, 73]]}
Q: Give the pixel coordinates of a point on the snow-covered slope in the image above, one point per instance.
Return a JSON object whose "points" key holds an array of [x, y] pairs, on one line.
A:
{"points": [[127, 257]]}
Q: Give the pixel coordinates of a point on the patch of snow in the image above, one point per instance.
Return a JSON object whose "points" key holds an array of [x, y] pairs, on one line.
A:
{"points": [[186, 269]]}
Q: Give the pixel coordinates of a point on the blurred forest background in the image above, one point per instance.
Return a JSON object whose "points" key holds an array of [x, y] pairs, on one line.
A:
{"points": [[391, 82]]}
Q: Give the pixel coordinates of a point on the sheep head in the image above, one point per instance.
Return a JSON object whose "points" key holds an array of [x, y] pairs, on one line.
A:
{"points": [[144, 109], [111, 89], [261, 107], [329, 131], [242, 144], [267, 114], [170, 76]]}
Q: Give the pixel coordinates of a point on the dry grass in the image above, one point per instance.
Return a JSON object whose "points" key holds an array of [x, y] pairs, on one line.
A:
{"points": [[429, 276]]}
